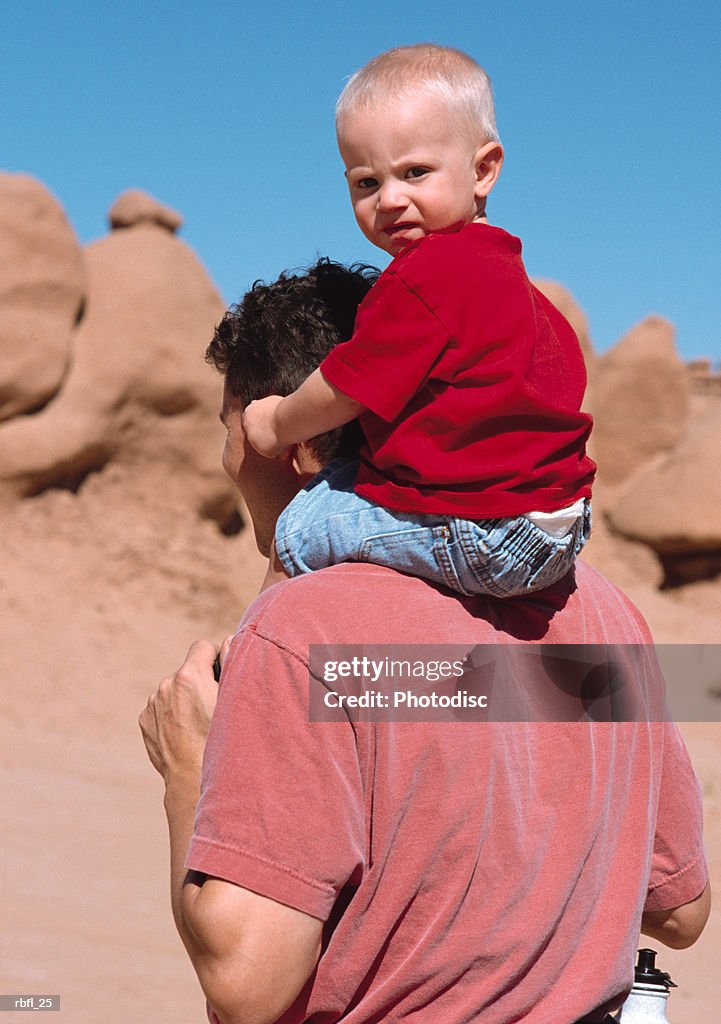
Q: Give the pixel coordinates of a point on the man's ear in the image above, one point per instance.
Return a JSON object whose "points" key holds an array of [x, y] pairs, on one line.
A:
{"points": [[487, 162]]}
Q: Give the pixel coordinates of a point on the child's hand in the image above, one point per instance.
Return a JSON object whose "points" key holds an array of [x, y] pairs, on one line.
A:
{"points": [[259, 426]]}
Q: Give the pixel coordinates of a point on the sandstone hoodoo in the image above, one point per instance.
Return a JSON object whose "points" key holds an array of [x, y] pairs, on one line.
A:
{"points": [[673, 506], [135, 207], [136, 390], [640, 400], [42, 291]]}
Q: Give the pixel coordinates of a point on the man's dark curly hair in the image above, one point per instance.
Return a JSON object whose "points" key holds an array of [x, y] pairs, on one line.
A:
{"points": [[279, 333]]}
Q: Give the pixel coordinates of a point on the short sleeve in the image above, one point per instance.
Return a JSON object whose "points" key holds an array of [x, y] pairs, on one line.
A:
{"points": [[281, 807], [678, 867], [397, 341]]}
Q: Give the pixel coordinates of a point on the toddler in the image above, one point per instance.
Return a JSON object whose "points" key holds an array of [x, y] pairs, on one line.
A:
{"points": [[468, 382]]}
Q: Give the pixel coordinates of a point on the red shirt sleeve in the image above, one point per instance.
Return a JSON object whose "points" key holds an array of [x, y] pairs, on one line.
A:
{"points": [[678, 866], [397, 341]]}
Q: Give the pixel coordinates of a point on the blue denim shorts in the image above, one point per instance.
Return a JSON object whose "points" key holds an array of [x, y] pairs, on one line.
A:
{"points": [[328, 523]]}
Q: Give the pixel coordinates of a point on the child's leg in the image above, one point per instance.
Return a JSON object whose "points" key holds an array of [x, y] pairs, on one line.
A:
{"points": [[512, 557], [328, 523]]}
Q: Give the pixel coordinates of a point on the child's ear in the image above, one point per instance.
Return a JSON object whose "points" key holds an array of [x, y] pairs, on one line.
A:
{"points": [[303, 460], [487, 162]]}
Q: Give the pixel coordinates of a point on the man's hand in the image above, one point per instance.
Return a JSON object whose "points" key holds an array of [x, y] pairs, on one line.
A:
{"points": [[176, 719], [259, 426]]}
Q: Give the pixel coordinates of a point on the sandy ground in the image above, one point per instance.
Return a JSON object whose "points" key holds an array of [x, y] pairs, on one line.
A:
{"points": [[100, 595]]}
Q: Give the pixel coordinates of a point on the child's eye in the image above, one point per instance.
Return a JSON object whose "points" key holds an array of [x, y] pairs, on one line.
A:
{"points": [[366, 183], [416, 172]]}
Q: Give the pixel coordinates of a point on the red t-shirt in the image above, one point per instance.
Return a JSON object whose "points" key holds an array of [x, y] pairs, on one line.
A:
{"points": [[473, 383], [467, 871]]}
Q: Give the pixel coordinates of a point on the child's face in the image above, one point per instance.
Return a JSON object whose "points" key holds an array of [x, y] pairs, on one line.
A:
{"points": [[411, 168]]}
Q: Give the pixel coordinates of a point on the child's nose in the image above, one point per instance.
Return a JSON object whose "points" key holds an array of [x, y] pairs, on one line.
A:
{"points": [[391, 196]]}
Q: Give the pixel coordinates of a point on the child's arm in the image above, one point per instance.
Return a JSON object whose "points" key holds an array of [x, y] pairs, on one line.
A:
{"points": [[273, 424]]}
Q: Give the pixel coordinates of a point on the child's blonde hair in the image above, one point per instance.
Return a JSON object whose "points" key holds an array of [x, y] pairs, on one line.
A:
{"points": [[450, 74]]}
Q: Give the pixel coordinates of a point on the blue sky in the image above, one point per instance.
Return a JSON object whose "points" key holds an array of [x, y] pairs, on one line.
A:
{"points": [[609, 113]]}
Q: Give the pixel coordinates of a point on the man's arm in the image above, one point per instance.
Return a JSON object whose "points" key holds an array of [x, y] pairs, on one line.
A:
{"points": [[252, 955], [681, 926], [273, 424]]}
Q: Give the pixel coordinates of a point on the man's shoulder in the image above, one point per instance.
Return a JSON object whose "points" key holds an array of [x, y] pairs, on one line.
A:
{"points": [[366, 603], [352, 602], [602, 605]]}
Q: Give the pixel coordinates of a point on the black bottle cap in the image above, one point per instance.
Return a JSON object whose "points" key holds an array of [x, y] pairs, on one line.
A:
{"points": [[648, 974]]}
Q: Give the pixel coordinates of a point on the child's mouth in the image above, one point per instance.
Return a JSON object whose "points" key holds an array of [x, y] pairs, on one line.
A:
{"points": [[394, 230]]}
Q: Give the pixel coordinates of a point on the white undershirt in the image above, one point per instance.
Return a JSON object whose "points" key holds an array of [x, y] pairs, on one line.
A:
{"points": [[557, 523]]}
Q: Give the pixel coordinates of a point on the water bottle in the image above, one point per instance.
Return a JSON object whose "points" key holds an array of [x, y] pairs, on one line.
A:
{"points": [[646, 1003]]}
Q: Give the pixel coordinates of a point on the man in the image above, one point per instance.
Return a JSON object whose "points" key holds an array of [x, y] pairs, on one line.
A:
{"points": [[377, 871]]}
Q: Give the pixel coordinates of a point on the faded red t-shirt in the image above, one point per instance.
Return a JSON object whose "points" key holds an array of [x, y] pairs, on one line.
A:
{"points": [[473, 382], [468, 871]]}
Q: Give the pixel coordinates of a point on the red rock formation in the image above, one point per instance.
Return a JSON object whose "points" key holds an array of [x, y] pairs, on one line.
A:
{"points": [[673, 505], [42, 287], [135, 207], [640, 400], [138, 389]]}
